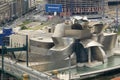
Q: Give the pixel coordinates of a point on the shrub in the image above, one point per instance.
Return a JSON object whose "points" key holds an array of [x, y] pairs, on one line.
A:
{"points": [[23, 27]]}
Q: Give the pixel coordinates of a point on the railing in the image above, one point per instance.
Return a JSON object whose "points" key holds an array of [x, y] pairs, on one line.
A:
{"points": [[18, 70]]}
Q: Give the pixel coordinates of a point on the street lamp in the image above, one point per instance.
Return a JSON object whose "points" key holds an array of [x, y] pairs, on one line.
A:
{"points": [[3, 49]]}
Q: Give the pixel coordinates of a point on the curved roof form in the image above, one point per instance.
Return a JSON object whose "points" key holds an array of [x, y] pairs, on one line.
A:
{"points": [[90, 43]]}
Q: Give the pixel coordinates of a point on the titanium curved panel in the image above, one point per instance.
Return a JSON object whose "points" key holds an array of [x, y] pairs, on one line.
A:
{"points": [[46, 51], [90, 43], [109, 41], [98, 54], [79, 34]]}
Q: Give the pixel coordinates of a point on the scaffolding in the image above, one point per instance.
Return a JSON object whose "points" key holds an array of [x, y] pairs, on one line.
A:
{"points": [[83, 7]]}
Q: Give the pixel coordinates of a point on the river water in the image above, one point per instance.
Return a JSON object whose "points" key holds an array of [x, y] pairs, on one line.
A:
{"points": [[107, 75]]}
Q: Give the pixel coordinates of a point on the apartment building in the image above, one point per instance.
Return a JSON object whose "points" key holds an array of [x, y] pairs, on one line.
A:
{"points": [[10, 9], [31, 4], [4, 12]]}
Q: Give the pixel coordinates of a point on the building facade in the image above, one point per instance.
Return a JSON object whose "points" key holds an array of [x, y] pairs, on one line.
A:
{"points": [[4, 12], [19, 7], [11, 9], [84, 7], [31, 4]]}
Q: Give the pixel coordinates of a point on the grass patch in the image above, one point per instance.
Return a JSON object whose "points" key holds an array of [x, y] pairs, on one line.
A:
{"points": [[23, 27], [36, 27], [40, 26], [26, 22]]}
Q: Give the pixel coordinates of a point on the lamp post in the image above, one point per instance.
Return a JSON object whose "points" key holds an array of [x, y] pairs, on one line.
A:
{"points": [[2, 71]]}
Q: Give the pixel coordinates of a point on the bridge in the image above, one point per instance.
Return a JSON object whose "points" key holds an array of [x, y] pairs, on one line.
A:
{"points": [[17, 70]]}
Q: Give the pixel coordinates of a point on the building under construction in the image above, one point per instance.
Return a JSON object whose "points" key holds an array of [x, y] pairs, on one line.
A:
{"points": [[83, 7]]}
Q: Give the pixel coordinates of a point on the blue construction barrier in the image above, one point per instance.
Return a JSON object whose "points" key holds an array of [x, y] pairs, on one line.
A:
{"points": [[5, 33]]}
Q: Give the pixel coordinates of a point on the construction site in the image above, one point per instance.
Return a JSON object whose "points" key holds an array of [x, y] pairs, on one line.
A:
{"points": [[81, 7]]}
